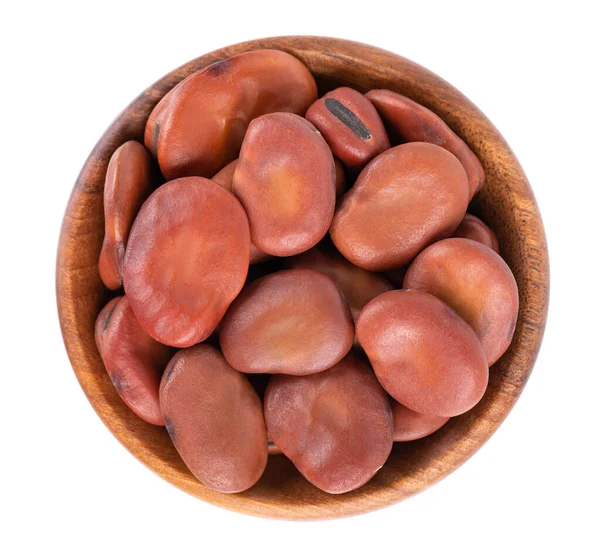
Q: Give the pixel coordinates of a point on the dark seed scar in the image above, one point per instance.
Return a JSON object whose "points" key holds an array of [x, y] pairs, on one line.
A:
{"points": [[155, 138], [108, 317], [348, 118]]}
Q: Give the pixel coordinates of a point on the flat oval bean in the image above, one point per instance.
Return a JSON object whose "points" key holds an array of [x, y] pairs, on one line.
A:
{"points": [[128, 183], [423, 354], [335, 426], [285, 179], [471, 227], [415, 123], [134, 360], [402, 201], [186, 260], [215, 419], [410, 425], [293, 321], [476, 282], [198, 127]]}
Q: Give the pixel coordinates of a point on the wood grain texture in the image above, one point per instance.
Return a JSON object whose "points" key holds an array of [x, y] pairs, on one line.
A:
{"points": [[506, 203]]}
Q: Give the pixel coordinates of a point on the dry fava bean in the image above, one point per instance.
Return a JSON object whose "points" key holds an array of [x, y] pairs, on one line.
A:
{"points": [[293, 321], [402, 201], [415, 123], [410, 425], [351, 126], [128, 183], [335, 426], [340, 178], [476, 282], [357, 285], [198, 127], [285, 179], [186, 260], [224, 178], [215, 419], [424, 355], [134, 360], [471, 227]]}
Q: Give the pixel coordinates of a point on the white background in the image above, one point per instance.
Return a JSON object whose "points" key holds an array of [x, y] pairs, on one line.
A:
{"points": [[66, 485]]}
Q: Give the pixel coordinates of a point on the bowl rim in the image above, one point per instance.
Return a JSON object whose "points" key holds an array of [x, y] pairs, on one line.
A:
{"points": [[79, 291]]}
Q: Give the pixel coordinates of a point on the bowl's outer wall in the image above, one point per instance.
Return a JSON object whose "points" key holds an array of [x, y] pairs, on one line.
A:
{"points": [[506, 203]]}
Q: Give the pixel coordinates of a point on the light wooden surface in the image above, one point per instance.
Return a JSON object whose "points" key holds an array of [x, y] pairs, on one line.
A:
{"points": [[506, 203]]}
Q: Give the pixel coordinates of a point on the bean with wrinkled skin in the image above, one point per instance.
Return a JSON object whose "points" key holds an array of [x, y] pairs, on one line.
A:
{"points": [[410, 425], [285, 179], [293, 322], [198, 127], [476, 282], [335, 426], [128, 183], [134, 360], [415, 123], [471, 227], [215, 419], [402, 201], [357, 285], [423, 354], [351, 126], [186, 260]]}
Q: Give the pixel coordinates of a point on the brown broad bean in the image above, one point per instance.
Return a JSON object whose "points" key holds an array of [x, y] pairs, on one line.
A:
{"points": [[215, 419], [134, 361], [351, 126], [471, 227], [410, 425], [285, 179], [340, 178], [424, 355], [335, 426], [402, 201], [128, 183], [198, 127], [474, 281], [415, 123], [293, 322], [186, 260]]}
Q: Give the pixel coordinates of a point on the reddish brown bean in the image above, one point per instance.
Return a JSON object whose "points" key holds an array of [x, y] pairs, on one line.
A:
{"points": [[285, 179], [415, 123], [198, 127], [424, 355], [357, 285], [134, 360], [350, 125], [471, 227], [410, 425], [215, 419], [340, 178], [128, 183], [405, 199], [292, 321], [335, 426], [476, 282], [186, 260]]}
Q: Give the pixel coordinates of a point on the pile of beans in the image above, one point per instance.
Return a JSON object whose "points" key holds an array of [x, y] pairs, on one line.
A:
{"points": [[306, 282]]}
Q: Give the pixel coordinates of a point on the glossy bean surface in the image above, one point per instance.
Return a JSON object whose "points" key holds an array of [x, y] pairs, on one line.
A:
{"points": [[410, 425], [402, 201], [351, 126], [423, 354], [415, 123], [293, 322], [285, 179], [471, 227], [186, 260], [476, 282], [215, 419], [198, 127], [133, 359], [335, 426], [128, 183]]}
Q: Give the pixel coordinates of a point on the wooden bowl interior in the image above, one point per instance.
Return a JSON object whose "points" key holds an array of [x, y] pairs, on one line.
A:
{"points": [[506, 203]]}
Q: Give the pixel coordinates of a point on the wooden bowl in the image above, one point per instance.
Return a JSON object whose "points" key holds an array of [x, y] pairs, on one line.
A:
{"points": [[506, 203]]}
